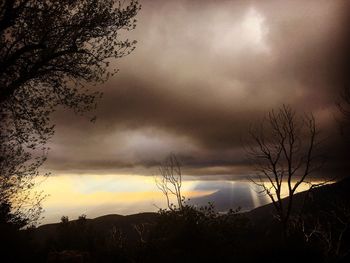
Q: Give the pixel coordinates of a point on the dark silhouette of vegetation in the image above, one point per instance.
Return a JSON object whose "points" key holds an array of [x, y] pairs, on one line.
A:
{"points": [[170, 181], [197, 234], [49, 52], [285, 149], [50, 48]]}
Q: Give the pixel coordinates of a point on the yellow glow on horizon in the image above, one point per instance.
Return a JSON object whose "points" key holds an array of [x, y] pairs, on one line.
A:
{"points": [[97, 195], [73, 190]]}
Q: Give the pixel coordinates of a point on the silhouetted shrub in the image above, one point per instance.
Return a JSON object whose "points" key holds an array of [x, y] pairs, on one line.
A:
{"points": [[196, 234]]}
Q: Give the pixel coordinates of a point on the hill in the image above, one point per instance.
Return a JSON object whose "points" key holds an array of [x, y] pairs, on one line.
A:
{"points": [[101, 226], [323, 198]]}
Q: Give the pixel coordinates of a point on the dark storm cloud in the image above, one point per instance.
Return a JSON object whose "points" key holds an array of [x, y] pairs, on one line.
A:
{"points": [[202, 73]]}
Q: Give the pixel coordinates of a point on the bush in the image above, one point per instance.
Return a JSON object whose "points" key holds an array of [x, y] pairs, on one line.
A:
{"points": [[196, 234]]}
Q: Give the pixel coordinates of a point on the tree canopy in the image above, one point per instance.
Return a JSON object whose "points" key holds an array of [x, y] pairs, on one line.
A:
{"points": [[49, 52]]}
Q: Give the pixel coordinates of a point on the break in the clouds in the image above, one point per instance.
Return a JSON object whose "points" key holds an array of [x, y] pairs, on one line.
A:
{"points": [[203, 71]]}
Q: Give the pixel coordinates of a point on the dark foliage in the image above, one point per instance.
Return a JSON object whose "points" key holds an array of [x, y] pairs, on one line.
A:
{"points": [[196, 234], [49, 52]]}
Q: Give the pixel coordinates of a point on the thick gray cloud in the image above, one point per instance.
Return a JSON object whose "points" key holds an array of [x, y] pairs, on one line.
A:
{"points": [[203, 71]]}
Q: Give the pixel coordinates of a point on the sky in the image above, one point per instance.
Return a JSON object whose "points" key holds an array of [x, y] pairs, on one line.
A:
{"points": [[201, 74]]}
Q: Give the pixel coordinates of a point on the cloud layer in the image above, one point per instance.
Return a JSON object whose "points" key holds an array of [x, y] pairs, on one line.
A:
{"points": [[203, 71]]}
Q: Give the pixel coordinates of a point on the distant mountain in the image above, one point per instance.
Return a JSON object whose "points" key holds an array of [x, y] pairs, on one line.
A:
{"points": [[232, 195]]}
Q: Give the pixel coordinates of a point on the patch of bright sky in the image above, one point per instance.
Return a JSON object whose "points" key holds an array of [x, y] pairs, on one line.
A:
{"points": [[250, 33], [88, 184], [97, 195]]}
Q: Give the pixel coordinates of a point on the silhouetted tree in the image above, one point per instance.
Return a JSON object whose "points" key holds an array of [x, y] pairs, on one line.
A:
{"points": [[284, 150], [49, 51], [170, 181], [64, 220], [48, 46]]}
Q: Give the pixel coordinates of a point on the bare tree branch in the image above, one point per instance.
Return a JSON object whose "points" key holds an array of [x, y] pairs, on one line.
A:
{"points": [[283, 151], [170, 180]]}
